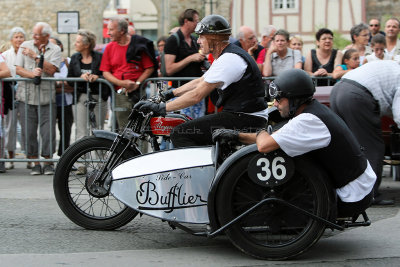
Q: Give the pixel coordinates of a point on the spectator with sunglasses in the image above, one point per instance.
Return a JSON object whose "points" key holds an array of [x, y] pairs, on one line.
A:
{"points": [[374, 28], [316, 131]]}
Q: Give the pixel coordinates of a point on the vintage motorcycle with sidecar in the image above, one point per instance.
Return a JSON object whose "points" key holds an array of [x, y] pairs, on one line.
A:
{"points": [[270, 206]]}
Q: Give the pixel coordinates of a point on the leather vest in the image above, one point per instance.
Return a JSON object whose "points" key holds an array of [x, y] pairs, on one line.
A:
{"points": [[245, 95], [342, 158]]}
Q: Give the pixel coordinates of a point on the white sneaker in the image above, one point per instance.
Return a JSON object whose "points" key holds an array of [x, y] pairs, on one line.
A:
{"points": [[36, 170], [9, 165]]}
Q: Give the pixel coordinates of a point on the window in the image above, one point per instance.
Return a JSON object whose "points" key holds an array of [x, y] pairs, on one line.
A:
{"points": [[285, 5]]}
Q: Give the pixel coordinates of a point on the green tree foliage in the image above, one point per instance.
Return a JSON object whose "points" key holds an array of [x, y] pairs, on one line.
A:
{"points": [[339, 42]]}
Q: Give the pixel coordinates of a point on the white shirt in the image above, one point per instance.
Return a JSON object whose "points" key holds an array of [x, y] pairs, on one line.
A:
{"points": [[11, 57], [227, 69], [373, 57], [305, 133], [382, 79]]}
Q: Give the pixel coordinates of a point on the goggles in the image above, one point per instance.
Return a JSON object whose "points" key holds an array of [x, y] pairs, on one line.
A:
{"points": [[200, 27], [274, 92]]}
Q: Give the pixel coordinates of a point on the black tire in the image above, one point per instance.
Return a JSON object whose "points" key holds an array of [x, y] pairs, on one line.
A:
{"points": [[274, 231], [81, 207]]}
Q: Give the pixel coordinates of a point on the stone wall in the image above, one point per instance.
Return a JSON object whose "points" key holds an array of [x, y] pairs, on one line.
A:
{"points": [[173, 8], [25, 13], [382, 9]]}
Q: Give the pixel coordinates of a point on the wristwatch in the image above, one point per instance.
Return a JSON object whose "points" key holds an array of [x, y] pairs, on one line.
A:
{"points": [[138, 83]]}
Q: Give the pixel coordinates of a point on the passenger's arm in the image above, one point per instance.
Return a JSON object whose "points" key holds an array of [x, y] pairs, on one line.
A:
{"points": [[265, 142], [247, 138]]}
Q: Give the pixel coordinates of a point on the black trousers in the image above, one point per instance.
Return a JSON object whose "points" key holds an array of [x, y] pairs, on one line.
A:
{"points": [[68, 120], [350, 209], [198, 132], [361, 113]]}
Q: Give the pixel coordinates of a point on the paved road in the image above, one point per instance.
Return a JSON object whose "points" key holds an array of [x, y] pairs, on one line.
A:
{"points": [[34, 232]]}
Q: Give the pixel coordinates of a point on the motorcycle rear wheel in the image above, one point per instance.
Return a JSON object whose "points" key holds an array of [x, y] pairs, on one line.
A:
{"points": [[273, 231], [80, 161]]}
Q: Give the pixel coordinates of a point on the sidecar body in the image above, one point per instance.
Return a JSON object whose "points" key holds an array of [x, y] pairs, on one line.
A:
{"points": [[271, 206], [172, 185]]}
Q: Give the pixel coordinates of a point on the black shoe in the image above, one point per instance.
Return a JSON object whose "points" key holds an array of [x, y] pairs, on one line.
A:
{"points": [[2, 167], [382, 202]]}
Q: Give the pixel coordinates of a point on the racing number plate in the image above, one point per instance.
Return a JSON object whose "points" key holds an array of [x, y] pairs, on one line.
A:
{"points": [[272, 169]]}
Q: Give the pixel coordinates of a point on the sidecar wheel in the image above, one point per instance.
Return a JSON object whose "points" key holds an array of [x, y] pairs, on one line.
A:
{"points": [[273, 231], [80, 161]]}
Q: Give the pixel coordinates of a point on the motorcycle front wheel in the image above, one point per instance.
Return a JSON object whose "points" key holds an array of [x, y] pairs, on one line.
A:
{"points": [[75, 169], [273, 231]]}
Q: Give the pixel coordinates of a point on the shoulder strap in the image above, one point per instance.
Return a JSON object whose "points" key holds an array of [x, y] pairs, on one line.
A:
{"points": [[178, 40], [163, 70], [333, 56]]}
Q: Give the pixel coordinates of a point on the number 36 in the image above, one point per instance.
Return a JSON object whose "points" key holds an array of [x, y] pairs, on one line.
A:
{"points": [[276, 169]]}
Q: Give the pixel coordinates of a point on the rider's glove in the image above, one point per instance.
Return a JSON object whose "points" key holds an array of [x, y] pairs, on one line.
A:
{"points": [[147, 106], [225, 135], [168, 94]]}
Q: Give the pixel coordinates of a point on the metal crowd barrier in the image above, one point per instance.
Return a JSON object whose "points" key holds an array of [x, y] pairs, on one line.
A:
{"points": [[102, 84], [319, 81], [147, 89]]}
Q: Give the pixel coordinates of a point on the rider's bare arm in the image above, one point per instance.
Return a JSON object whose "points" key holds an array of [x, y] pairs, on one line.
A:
{"points": [[192, 97], [187, 87], [265, 142], [247, 138]]}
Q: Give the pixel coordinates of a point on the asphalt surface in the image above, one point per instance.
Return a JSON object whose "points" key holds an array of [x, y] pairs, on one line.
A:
{"points": [[34, 232]]}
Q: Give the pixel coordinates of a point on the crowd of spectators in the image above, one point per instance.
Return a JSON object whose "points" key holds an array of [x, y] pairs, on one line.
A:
{"points": [[178, 55]]}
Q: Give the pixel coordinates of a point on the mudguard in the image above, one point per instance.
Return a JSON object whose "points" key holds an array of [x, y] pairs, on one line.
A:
{"points": [[303, 164], [211, 205], [105, 134]]}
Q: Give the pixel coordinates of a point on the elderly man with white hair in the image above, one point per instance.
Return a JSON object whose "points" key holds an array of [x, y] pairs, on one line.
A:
{"points": [[247, 40], [38, 101]]}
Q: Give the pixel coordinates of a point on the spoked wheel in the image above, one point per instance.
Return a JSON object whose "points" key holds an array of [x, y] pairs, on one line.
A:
{"points": [[274, 230], [84, 203]]}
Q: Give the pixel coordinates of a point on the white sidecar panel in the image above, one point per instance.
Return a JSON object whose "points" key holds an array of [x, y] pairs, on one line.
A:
{"points": [[164, 161], [170, 185]]}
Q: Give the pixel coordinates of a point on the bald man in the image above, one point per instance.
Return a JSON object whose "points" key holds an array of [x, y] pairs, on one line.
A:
{"points": [[248, 41]]}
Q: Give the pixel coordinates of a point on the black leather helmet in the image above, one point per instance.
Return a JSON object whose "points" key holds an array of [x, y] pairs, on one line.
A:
{"points": [[293, 83], [213, 24]]}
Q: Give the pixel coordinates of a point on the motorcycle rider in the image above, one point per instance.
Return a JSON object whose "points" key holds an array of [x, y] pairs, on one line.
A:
{"points": [[233, 81], [315, 130]]}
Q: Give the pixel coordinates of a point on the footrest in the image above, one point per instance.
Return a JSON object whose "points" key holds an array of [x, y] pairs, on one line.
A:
{"points": [[352, 221]]}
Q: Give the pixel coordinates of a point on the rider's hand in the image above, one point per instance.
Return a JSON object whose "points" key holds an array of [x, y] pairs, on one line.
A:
{"points": [[168, 94], [225, 135], [147, 106]]}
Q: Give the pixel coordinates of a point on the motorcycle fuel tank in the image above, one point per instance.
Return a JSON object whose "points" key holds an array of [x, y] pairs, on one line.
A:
{"points": [[164, 125], [172, 185]]}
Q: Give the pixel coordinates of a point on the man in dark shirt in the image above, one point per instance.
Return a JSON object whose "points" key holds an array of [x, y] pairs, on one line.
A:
{"points": [[182, 57]]}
